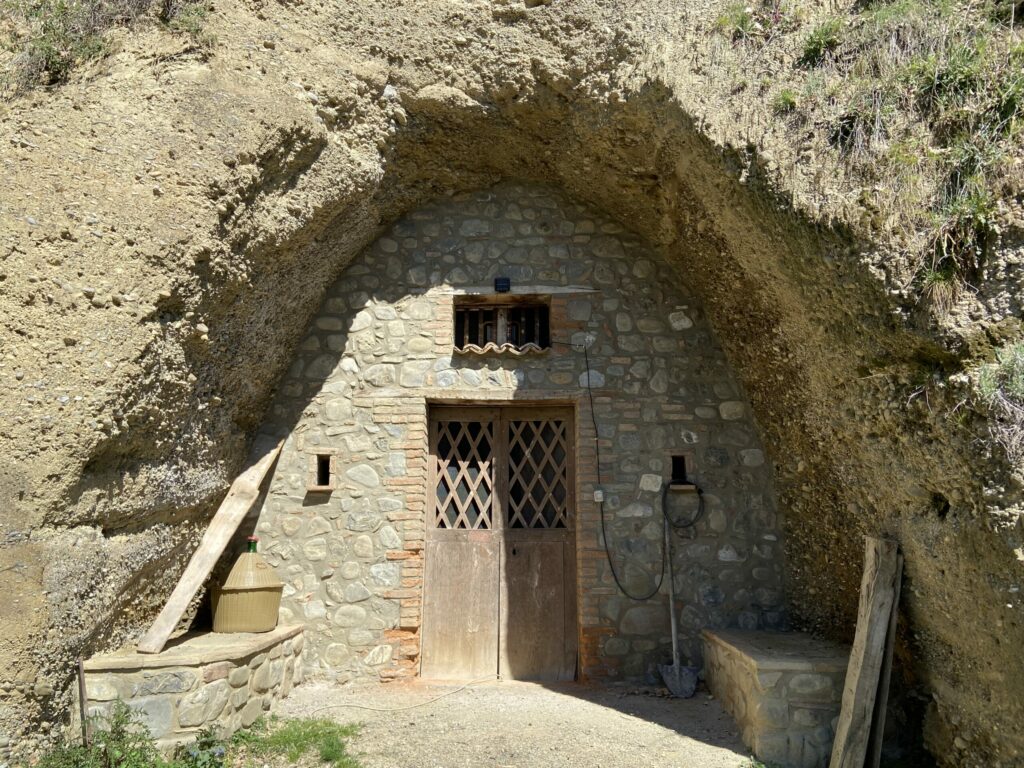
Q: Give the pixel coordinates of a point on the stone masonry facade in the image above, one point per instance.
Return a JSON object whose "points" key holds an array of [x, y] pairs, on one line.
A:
{"points": [[380, 352], [223, 682], [784, 689]]}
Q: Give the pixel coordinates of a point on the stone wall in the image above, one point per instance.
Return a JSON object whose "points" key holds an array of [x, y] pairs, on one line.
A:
{"points": [[204, 680], [381, 349], [785, 691]]}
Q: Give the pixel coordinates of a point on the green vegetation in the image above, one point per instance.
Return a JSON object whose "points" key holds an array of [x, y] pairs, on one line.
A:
{"points": [[941, 288], [923, 100], [189, 19], [758, 20], [738, 22], [822, 42], [1001, 386], [293, 739], [864, 124], [50, 38], [122, 741], [786, 101], [1005, 377]]}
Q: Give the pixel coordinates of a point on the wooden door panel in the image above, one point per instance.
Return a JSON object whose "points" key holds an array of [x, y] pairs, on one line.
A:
{"points": [[460, 608], [532, 644], [500, 577]]}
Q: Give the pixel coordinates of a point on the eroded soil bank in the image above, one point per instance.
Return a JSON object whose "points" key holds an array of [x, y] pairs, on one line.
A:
{"points": [[172, 222]]}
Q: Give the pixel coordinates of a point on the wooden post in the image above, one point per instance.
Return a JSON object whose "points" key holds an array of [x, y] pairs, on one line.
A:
{"points": [[241, 496], [83, 703], [877, 599], [878, 724]]}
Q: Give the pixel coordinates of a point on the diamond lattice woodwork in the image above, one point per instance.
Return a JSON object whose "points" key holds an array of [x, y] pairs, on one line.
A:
{"points": [[538, 474], [464, 476]]}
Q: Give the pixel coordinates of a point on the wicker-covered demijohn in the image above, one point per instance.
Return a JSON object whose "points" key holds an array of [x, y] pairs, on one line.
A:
{"points": [[250, 597]]}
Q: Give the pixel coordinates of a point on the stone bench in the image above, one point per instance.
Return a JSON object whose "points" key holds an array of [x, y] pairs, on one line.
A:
{"points": [[225, 681], [783, 689]]}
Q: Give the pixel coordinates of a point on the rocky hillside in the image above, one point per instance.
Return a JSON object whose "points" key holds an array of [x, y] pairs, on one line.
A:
{"points": [[841, 184]]}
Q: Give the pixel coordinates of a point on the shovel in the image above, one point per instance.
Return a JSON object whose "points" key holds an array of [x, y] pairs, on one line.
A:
{"points": [[681, 681]]}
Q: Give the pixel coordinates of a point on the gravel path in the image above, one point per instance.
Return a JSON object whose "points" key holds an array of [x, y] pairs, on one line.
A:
{"points": [[524, 725]]}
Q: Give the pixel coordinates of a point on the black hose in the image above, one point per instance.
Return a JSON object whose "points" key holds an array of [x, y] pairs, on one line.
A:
{"points": [[664, 504], [696, 515]]}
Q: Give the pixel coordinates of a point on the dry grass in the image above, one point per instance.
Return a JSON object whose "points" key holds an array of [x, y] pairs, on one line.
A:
{"points": [[924, 101], [1001, 385], [48, 39]]}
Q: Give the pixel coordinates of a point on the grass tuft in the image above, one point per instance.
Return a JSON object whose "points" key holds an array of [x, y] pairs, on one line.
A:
{"points": [[1001, 386], [865, 123], [786, 101], [189, 19], [759, 20], [941, 289], [118, 741], [292, 739], [822, 42], [738, 22], [121, 740]]}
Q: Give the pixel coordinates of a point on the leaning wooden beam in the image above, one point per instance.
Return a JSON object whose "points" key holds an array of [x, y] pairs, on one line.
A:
{"points": [[878, 725], [877, 597], [241, 496]]}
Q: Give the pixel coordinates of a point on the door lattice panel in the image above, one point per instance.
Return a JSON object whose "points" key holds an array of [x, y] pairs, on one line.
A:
{"points": [[464, 489], [538, 460]]}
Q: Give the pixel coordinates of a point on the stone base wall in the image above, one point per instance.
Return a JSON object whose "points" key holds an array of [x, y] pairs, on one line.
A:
{"points": [[784, 690], [207, 680]]}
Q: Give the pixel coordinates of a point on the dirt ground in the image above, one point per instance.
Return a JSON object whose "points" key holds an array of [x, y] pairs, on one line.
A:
{"points": [[524, 725]]}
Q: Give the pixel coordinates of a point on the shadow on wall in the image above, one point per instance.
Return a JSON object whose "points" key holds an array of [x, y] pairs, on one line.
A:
{"points": [[380, 350]]}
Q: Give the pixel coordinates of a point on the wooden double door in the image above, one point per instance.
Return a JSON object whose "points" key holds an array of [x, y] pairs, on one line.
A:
{"points": [[500, 575]]}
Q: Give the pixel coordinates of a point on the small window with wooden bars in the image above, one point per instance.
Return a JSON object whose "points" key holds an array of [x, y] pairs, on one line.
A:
{"points": [[485, 326]]}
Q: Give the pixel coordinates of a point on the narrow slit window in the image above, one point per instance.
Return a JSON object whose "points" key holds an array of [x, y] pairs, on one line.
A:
{"points": [[323, 470], [321, 474], [679, 469]]}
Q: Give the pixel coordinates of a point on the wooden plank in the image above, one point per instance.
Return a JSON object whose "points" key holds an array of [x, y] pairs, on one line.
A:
{"points": [[878, 723], [460, 606], [532, 638], [877, 595], [460, 579], [241, 496], [501, 300], [572, 620], [538, 599], [571, 646]]}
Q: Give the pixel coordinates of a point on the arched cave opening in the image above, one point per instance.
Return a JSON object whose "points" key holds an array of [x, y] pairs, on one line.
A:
{"points": [[810, 337]]}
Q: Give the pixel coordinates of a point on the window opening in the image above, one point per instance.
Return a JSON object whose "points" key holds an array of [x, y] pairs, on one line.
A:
{"points": [[464, 482], [324, 470], [502, 327], [679, 469], [538, 474]]}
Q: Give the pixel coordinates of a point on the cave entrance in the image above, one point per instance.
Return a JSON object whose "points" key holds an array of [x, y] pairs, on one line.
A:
{"points": [[617, 338], [500, 577]]}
